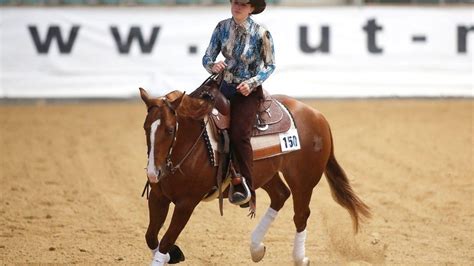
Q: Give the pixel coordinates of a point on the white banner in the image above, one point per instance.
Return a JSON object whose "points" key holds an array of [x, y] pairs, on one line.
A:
{"points": [[320, 52]]}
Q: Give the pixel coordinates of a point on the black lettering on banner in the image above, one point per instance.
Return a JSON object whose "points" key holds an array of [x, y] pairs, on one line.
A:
{"points": [[418, 38], [135, 32], [323, 46], [371, 28], [462, 38], [54, 32]]}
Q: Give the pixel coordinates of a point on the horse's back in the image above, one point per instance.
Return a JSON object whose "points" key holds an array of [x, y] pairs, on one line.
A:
{"points": [[313, 130], [300, 110]]}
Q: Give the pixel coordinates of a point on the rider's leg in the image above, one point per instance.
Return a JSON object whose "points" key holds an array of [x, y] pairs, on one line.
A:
{"points": [[243, 113]]}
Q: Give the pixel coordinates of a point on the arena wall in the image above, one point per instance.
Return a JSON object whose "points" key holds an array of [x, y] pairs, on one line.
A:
{"points": [[320, 51]]}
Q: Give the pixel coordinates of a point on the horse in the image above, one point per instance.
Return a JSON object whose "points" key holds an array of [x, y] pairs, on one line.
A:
{"points": [[179, 171]]}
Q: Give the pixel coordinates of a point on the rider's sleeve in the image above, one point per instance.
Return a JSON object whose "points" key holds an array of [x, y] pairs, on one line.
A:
{"points": [[213, 50], [268, 58]]}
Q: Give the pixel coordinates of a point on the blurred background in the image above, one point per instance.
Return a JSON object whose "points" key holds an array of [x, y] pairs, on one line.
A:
{"points": [[224, 2], [324, 48], [72, 166]]}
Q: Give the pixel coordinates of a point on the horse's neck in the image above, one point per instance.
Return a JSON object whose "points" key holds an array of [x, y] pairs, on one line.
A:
{"points": [[189, 132], [189, 126]]}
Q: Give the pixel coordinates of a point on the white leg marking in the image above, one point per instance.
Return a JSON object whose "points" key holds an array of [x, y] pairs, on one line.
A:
{"points": [[153, 251], [160, 259], [257, 248], [299, 249], [151, 168], [262, 227]]}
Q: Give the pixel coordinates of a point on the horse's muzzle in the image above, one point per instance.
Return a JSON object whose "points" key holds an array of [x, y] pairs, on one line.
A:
{"points": [[153, 173], [156, 174]]}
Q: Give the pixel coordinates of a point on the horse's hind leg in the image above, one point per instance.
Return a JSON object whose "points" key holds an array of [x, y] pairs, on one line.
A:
{"points": [[158, 206], [302, 212], [302, 192], [279, 193]]}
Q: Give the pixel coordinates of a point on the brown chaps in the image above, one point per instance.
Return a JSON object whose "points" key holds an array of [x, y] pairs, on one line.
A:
{"points": [[242, 119]]}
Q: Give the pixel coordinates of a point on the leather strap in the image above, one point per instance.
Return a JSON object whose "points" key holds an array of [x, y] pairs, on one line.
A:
{"points": [[224, 153]]}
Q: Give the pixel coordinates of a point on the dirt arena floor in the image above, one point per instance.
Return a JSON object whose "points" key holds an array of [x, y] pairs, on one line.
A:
{"points": [[72, 175]]}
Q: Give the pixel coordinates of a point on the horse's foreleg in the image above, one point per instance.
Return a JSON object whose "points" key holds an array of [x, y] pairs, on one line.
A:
{"points": [[181, 214], [158, 206], [279, 193]]}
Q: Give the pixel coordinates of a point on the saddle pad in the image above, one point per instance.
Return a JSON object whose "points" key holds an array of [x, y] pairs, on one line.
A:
{"points": [[213, 134], [264, 146]]}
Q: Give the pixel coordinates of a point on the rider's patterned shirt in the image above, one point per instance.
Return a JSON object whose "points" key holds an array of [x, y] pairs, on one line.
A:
{"points": [[248, 51]]}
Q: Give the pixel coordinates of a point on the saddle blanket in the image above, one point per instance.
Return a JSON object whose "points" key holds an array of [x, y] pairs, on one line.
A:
{"points": [[264, 146]]}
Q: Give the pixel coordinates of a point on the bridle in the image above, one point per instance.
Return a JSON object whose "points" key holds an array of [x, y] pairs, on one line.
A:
{"points": [[170, 166]]}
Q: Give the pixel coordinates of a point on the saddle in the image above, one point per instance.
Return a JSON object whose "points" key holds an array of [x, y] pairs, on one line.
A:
{"points": [[271, 118]]}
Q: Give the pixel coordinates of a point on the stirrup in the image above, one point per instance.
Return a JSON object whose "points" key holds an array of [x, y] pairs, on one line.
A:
{"points": [[237, 197]]}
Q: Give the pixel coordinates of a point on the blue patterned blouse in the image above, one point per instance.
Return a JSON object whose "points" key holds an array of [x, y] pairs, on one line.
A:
{"points": [[248, 51]]}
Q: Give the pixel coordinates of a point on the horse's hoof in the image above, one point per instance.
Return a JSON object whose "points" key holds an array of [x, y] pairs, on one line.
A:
{"points": [[176, 255], [257, 252], [303, 262]]}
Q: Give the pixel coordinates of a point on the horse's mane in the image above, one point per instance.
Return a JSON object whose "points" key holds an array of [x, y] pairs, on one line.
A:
{"points": [[201, 101], [194, 108]]}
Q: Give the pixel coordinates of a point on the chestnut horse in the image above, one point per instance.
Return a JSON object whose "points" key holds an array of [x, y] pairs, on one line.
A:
{"points": [[179, 171]]}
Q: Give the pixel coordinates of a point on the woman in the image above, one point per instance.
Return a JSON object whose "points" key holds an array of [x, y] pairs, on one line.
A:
{"points": [[249, 60]]}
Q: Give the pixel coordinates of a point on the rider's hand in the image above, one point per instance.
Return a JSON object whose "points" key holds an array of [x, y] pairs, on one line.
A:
{"points": [[218, 67], [244, 89]]}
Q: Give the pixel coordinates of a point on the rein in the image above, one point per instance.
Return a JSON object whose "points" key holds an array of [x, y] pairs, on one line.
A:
{"points": [[172, 169]]}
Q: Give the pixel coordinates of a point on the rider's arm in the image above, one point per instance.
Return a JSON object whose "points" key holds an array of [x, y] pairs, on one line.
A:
{"points": [[213, 50], [268, 58]]}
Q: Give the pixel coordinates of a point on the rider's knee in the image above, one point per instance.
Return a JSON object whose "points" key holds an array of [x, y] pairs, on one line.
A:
{"points": [[239, 139]]}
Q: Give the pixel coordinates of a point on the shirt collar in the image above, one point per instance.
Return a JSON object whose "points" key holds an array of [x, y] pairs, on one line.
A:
{"points": [[245, 25]]}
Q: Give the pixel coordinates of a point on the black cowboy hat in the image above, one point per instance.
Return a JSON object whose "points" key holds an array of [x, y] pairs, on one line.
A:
{"points": [[258, 5]]}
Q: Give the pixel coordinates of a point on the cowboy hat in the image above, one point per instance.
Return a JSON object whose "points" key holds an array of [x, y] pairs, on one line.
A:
{"points": [[258, 5]]}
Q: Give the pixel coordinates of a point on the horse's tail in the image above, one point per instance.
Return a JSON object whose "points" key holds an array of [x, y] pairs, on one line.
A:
{"points": [[342, 191]]}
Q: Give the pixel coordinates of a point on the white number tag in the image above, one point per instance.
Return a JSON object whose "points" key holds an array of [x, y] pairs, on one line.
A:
{"points": [[290, 141]]}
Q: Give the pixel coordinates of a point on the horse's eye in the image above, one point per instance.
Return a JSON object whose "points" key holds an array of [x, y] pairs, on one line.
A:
{"points": [[170, 130]]}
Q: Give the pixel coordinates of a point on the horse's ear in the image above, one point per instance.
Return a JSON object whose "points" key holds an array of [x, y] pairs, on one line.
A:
{"points": [[144, 95], [176, 102]]}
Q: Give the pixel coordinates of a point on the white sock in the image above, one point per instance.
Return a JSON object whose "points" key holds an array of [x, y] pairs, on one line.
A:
{"points": [[160, 259], [299, 248], [262, 227], [153, 251]]}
